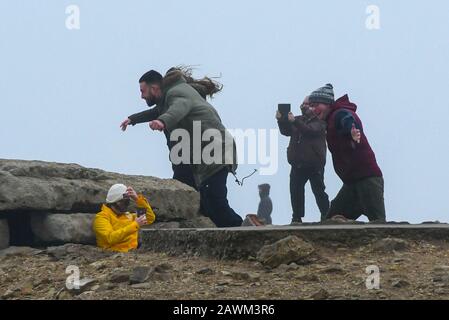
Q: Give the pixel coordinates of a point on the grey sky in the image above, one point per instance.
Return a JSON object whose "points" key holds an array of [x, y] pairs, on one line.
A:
{"points": [[64, 92]]}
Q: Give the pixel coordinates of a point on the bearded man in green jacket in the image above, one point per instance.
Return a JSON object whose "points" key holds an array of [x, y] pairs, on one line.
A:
{"points": [[202, 140]]}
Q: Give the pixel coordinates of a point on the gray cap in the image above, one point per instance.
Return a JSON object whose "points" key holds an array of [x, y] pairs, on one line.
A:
{"points": [[323, 95]]}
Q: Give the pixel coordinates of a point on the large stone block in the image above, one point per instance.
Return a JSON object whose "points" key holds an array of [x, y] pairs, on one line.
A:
{"points": [[37, 186], [63, 228]]}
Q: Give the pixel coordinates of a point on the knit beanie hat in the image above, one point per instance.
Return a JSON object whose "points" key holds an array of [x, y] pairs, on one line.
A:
{"points": [[323, 95]]}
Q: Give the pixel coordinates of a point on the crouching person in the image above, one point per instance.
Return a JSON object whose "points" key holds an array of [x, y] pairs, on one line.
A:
{"points": [[115, 228], [354, 160]]}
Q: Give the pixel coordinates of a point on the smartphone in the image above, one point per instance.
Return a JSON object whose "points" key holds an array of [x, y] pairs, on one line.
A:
{"points": [[141, 211], [284, 109]]}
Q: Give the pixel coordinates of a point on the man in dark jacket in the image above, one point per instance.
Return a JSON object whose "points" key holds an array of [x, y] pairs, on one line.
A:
{"points": [[354, 160], [181, 172], [181, 106], [306, 154], [265, 205]]}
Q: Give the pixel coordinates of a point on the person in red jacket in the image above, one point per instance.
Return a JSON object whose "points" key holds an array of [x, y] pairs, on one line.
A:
{"points": [[354, 160]]}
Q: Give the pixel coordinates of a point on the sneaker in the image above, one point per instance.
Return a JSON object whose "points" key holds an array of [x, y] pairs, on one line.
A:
{"points": [[296, 222], [252, 220]]}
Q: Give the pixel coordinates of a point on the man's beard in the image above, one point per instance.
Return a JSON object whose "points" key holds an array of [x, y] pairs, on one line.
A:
{"points": [[151, 101]]}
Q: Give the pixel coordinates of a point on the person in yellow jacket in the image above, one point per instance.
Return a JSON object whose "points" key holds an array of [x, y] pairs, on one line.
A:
{"points": [[115, 228]]}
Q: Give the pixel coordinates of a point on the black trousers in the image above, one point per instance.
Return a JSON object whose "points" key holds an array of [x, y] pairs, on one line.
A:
{"points": [[183, 173], [298, 180], [214, 202]]}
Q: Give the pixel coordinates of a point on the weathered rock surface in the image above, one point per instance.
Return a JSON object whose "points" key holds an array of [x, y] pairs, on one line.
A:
{"points": [[55, 187], [81, 286], [120, 277], [140, 275], [285, 251], [63, 228], [245, 242], [390, 244], [78, 253], [421, 273], [195, 222], [59, 201], [164, 225], [19, 251]]}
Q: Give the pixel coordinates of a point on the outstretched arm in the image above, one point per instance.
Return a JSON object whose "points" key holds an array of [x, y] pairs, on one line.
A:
{"points": [[141, 117], [144, 116]]}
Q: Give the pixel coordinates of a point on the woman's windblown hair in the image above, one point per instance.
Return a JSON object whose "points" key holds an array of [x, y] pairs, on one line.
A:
{"points": [[205, 86]]}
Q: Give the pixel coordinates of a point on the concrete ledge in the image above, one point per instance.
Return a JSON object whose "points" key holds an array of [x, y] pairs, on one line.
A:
{"points": [[242, 242]]}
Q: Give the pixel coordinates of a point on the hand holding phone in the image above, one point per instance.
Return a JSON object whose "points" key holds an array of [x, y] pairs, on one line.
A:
{"points": [[284, 109], [141, 211]]}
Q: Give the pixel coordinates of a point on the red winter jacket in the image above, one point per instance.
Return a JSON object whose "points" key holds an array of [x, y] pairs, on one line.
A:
{"points": [[352, 161]]}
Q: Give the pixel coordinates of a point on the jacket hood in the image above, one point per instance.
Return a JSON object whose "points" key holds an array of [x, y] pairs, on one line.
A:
{"points": [[264, 189], [344, 103], [172, 77]]}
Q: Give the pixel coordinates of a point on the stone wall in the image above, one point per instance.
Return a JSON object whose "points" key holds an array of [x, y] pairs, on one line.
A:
{"points": [[61, 200], [4, 234]]}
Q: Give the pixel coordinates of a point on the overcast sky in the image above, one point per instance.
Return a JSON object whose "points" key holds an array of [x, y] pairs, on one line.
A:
{"points": [[64, 92]]}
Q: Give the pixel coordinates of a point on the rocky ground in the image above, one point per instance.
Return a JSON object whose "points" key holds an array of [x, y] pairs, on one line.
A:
{"points": [[408, 270]]}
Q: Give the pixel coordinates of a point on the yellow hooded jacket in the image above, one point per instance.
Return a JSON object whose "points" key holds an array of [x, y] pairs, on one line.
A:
{"points": [[120, 232]]}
